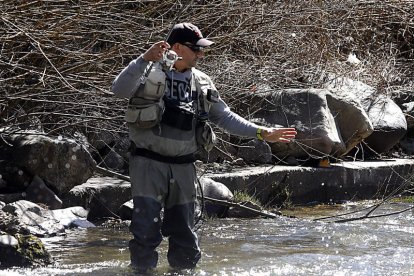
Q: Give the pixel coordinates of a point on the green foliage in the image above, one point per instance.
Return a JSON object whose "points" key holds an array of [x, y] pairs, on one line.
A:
{"points": [[242, 196], [32, 250], [404, 199]]}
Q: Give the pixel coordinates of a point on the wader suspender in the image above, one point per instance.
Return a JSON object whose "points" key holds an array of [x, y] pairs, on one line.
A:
{"points": [[201, 112]]}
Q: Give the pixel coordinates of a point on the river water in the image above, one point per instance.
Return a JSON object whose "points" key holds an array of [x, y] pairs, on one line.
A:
{"points": [[283, 246]]}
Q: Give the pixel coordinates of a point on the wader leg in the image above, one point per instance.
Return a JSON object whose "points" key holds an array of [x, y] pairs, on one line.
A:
{"points": [[145, 226], [178, 225]]}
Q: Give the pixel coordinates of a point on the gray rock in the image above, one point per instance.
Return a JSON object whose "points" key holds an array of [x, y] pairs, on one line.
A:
{"points": [[19, 208], [353, 123], [356, 180], [26, 250], [319, 116], [102, 139], [389, 124], [43, 222], [38, 192], [10, 224], [408, 109], [101, 196], [12, 178], [125, 211], [255, 151], [8, 240], [82, 223], [8, 198], [216, 190], [407, 144], [71, 217], [41, 226], [388, 121], [60, 162], [113, 160], [221, 152], [8, 251], [32, 218]]}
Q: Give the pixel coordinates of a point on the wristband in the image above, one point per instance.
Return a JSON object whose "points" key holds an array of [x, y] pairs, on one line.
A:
{"points": [[259, 134]]}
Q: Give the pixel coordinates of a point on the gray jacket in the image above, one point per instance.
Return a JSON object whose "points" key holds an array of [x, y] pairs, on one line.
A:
{"points": [[167, 140]]}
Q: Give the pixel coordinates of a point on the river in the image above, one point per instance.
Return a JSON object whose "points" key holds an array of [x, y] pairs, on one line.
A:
{"points": [[282, 246]]}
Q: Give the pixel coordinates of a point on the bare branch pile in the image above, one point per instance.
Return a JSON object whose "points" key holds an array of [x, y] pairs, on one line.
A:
{"points": [[58, 58]]}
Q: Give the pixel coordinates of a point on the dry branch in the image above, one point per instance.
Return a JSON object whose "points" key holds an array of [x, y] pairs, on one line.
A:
{"points": [[58, 58]]}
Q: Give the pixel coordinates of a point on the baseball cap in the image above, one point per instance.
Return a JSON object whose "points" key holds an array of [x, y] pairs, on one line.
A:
{"points": [[187, 33]]}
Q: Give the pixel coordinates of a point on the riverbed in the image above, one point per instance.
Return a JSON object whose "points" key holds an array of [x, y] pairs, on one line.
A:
{"points": [[288, 245]]}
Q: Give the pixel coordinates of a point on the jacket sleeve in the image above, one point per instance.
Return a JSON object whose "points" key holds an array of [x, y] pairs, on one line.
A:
{"points": [[127, 81], [221, 115]]}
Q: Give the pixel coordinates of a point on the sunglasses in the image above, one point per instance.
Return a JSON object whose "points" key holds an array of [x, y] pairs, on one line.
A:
{"points": [[194, 48]]}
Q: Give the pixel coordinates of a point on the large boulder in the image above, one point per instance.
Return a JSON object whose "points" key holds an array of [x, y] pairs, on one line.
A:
{"points": [[62, 163], [352, 121], [386, 116], [321, 118], [389, 123]]}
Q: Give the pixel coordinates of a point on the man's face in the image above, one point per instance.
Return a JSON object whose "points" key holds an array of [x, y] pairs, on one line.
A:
{"points": [[189, 54]]}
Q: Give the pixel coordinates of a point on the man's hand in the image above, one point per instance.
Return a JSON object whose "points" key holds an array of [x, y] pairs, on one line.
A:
{"points": [[281, 135], [155, 52]]}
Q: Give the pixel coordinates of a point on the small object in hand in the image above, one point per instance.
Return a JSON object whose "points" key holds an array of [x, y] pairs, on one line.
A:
{"points": [[169, 58]]}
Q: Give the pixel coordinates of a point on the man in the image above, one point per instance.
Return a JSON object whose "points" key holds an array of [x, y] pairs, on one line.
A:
{"points": [[162, 167]]}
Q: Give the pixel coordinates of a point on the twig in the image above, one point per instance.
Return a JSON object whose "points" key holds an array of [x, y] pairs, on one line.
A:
{"points": [[241, 206], [367, 216]]}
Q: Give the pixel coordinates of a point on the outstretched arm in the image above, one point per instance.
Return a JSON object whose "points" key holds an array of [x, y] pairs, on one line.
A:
{"points": [[222, 116]]}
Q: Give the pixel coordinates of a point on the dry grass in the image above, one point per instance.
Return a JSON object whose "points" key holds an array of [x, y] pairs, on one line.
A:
{"points": [[58, 58]]}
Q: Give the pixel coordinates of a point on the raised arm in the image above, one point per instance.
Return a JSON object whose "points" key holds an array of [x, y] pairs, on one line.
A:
{"points": [[128, 80]]}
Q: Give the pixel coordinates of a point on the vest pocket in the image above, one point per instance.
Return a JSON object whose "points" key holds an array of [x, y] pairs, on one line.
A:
{"points": [[145, 117]]}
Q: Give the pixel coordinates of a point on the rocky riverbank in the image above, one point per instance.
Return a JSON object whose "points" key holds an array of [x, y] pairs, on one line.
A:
{"points": [[344, 81], [36, 207], [49, 184]]}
